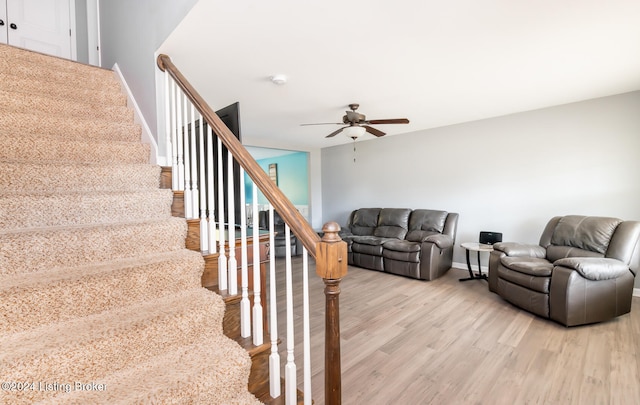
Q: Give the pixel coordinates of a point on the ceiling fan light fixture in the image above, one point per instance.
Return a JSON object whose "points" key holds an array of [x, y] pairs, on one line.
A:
{"points": [[354, 131]]}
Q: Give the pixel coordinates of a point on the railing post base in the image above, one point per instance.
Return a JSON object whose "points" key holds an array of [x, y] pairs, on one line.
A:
{"points": [[331, 266]]}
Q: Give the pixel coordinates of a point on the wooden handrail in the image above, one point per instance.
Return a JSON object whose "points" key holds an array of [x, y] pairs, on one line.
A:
{"points": [[298, 224]]}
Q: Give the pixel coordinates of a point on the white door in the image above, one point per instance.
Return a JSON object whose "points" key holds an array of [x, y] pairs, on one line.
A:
{"points": [[3, 22], [40, 25]]}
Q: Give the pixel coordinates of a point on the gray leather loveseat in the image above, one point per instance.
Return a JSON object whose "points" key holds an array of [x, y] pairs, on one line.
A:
{"points": [[581, 272], [413, 243]]}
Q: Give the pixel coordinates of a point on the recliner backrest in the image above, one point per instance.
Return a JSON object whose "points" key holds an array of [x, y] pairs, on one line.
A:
{"points": [[364, 221], [423, 223], [580, 236], [393, 223]]}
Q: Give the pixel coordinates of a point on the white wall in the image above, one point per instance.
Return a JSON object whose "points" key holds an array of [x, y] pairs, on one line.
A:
{"points": [[507, 174]]}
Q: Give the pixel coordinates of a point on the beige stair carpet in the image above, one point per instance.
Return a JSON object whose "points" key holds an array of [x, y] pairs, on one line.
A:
{"points": [[100, 302]]}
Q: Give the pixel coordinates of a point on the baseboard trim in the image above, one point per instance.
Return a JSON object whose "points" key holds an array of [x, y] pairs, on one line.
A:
{"points": [[462, 266], [147, 136], [474, 267]]}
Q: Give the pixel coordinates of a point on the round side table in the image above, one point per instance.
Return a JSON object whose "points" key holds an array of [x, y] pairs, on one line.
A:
{"points": [[476, 247]]}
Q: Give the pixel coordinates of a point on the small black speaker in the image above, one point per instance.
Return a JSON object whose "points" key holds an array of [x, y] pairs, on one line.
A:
{"points": [[489, 238]]}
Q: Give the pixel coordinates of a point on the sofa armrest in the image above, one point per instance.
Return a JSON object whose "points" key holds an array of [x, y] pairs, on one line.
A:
{"points": [[442, 241], [520, 249], [594, 268]]}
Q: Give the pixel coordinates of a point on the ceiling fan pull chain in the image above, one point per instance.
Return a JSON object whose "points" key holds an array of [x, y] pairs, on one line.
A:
{"points": [[354, 150]]}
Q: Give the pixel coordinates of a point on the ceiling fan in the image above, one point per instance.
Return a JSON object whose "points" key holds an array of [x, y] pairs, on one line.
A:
{"points": [[356, 124]]}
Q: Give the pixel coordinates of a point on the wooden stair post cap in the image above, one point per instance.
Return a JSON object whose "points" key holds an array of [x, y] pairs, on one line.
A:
{"points": [[331, 254]]}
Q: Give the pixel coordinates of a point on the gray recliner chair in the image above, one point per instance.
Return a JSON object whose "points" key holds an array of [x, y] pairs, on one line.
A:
{"points": [[581, 272]]}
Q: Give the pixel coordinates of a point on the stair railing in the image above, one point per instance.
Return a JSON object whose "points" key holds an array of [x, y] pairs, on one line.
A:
{"points": [[197, 139]]}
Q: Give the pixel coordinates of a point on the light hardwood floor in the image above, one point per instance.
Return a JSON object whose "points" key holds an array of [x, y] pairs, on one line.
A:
{"points": [[406, 341]]}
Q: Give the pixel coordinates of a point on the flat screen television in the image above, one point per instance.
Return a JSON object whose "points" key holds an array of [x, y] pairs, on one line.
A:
{"points": [[230, 116]]}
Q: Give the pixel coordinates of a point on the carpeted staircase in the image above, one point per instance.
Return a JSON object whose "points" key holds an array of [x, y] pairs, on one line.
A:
{"points": [[100, 302]]}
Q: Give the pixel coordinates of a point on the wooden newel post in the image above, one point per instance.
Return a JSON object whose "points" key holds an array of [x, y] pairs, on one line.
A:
{"points": [[331, 266]]}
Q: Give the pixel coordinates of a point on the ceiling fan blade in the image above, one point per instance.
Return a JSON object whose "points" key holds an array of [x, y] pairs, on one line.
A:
{"points": [[334, 133], [389, 121], [323, 123], [373, 131]]}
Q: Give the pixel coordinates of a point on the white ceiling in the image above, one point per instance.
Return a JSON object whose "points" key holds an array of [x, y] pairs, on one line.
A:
{"points": [[435, 62]]}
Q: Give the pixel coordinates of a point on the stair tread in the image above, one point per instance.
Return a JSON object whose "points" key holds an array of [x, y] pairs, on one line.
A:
{"points": [[43, 103], [18, 211], [185, 372], [62, 335], [17, 123], [34, 249], [55, 295], [21, 85], [124, 337], [27, 56], [89, 177], [45, 149], [60, 71]]}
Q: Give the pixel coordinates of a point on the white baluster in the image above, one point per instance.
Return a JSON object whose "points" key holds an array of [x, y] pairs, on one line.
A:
{"points": [[258, 327], [233, 262], [305, 328], [188, 185], [290, 386], [195, 195], [211, 204], [204, 229], [222, 258], [180, 141], [175, 171], [245, 305], [274, 357], [167, 120]]}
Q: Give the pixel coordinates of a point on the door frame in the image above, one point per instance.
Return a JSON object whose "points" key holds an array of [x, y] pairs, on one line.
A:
{"points": [[72, 28], [93, 32]]}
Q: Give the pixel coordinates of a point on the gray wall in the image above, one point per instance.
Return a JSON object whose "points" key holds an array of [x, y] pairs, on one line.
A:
{"points": [[82, 44], [130, 33], [508, 174]]}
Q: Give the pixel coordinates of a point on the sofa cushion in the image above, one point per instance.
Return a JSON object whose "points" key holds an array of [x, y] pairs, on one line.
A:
{"points": [[364, 221], [393, 223], [374, 249], [520, 249], [401, 246], [588, 233], [369, 240], [559, 252], [528, 265]]}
